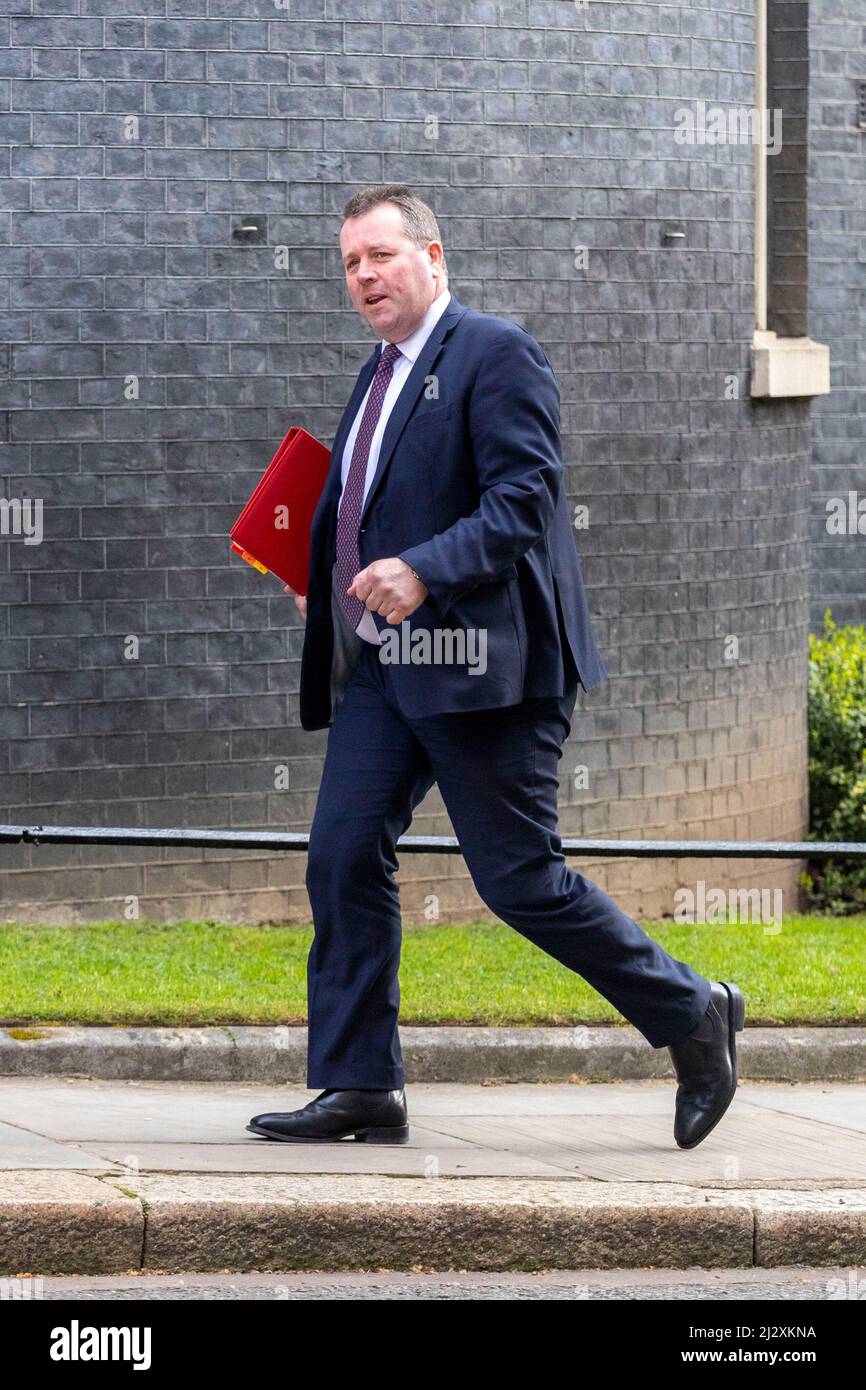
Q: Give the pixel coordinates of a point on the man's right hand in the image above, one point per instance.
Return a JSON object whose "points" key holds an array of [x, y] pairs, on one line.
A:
{"points": [[300, 600]]}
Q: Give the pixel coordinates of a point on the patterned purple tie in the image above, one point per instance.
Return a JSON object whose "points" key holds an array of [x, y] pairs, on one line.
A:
{"points": [[352, 502]]}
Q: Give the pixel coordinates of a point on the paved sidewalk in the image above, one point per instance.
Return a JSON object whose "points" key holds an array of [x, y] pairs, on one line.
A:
{"points": [[114, 1176]]}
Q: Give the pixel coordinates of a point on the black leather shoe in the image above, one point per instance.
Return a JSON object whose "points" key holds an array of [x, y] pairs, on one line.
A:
{"points": [[373, 1117], [706, 1066]]}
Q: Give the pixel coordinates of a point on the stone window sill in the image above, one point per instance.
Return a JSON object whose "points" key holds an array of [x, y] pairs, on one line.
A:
{"points": [[789, 366]]}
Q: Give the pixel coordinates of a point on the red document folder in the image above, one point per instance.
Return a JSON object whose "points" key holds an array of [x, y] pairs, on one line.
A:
{"points": [[273, 530]]}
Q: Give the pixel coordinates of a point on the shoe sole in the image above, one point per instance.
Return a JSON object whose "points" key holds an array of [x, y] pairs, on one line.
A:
{"points": [[375, 1134], [736, 1024]]}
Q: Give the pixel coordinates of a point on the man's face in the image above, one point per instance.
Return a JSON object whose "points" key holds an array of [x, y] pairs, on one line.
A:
{"points": [[391, 281]]}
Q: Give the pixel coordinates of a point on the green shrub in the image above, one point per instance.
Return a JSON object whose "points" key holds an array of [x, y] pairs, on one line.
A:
{"points": [[837, 763]]}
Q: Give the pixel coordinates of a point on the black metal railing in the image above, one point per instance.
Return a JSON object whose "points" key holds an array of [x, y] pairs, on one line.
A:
{"points": [[428, 844]]}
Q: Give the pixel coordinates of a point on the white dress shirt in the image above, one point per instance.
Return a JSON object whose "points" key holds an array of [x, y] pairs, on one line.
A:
{"points": [[409, 348]]}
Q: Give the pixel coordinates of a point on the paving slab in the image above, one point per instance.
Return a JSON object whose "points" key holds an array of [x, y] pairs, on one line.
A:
{"points": [[20, 1149], [771, 1133]]}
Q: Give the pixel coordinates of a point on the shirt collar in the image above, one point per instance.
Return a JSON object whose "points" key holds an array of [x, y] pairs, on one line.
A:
{"points": [[411, 346]]}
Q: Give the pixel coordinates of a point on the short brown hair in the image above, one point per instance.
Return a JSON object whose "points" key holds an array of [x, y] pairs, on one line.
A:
{"points": [[419, 221]]}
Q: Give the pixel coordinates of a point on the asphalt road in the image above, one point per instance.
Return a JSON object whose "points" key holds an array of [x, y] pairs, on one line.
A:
{"points": [[629, 1285]]}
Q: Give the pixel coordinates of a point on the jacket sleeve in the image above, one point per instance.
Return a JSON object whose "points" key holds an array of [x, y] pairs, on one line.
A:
{"points": [[514, 434]]}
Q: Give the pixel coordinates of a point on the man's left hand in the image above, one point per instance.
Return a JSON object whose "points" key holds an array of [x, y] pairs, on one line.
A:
{"points": [[389, 587]]}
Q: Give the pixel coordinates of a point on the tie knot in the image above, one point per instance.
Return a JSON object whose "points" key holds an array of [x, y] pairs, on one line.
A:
{"points": [[390, 353]]}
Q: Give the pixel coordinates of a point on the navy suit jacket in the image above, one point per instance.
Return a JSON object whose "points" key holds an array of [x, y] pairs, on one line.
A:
{"points": [[469, 491]]}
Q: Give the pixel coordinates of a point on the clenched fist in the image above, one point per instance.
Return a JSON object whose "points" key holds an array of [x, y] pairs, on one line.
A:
{"points": [[390, 588]]}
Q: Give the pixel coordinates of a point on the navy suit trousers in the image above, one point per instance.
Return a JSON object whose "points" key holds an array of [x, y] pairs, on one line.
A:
{"points": [[497, 775]]}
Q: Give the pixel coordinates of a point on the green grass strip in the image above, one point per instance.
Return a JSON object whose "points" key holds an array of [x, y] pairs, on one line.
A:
{"points": [[193, 973]]}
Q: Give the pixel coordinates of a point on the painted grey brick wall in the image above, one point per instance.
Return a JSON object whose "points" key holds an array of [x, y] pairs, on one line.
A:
{"points": [[837, 299], [138, 137]]}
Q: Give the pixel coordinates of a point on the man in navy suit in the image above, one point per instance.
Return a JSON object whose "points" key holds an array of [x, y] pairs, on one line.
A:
{"points": [[447, 631]]}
